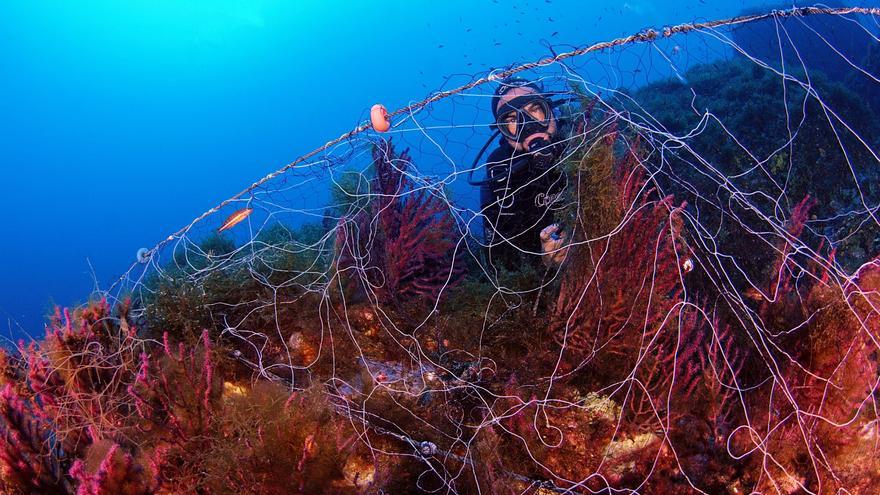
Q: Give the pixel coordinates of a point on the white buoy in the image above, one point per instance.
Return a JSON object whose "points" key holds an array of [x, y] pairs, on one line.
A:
{"points": [[688, 265], [143, 255]]}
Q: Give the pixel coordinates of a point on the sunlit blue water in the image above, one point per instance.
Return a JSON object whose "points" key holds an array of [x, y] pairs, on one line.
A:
{"points": [[122, 121]]}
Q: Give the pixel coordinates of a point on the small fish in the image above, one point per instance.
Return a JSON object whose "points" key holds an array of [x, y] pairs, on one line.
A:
{"points": [[554, 33], [235, 219], [753, 294]]}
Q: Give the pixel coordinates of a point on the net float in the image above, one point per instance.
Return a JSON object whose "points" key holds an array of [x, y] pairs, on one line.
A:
{"points": [[379, 118], [143, 255], [688, 265]]}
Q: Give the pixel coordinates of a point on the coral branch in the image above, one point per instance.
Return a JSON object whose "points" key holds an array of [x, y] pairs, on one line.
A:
{"points": [[404, 243]]}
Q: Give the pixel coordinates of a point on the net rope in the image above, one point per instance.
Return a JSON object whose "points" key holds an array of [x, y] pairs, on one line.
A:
{"points": [[701, 316], [646, 35]]}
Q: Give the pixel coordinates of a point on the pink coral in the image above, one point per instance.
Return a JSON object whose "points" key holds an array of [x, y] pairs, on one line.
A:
{"points": [[618, 289], [177, 394], [118, 474], [28, 459], [80, 371], [403, 246]]}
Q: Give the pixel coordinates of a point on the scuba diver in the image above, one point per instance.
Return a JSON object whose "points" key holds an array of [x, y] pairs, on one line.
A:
{"points": [[523, 185]]}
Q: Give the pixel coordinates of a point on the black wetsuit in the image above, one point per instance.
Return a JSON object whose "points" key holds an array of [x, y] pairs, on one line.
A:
{"points": [[518, 205]]}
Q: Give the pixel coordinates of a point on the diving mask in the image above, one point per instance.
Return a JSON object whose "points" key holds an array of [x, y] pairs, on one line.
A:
{"points": [[524, 116]]}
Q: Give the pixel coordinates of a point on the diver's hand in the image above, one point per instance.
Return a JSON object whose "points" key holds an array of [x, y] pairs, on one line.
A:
{"points": [[553, 244]]}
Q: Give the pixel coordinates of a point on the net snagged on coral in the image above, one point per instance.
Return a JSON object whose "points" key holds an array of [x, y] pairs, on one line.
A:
{"points": [[701, 318]]}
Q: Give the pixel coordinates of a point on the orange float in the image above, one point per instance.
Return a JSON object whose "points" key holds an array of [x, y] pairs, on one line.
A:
{"points": [[379, 118]]}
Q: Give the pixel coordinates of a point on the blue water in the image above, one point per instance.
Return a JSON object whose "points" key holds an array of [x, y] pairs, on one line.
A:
{"points": [[122, 121]]}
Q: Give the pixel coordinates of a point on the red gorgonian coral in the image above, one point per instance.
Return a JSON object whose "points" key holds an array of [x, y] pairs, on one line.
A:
{"points": [[403, 245]]}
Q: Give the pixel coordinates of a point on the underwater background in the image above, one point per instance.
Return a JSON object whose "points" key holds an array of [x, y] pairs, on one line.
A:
{"points": [[678, 293], [122, 121]]}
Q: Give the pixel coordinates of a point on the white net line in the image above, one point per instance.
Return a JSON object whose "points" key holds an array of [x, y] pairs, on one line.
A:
{"points": [[708, 321]]}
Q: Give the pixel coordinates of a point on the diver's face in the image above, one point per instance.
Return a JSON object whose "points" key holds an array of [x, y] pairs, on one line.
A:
{"points": [[535, 111]]}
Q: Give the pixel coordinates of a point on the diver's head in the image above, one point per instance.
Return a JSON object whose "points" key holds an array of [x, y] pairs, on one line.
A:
{"points": [[523, 115]]}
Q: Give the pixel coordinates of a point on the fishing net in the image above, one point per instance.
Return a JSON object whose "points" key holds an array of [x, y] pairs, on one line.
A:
{"points": [[707, 322]]}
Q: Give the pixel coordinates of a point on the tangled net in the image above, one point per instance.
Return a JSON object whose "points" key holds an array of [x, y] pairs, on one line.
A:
{"points": [[712, 326]]}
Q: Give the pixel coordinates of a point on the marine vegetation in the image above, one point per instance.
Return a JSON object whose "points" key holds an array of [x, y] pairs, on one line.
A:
{"points": [[650, 386], [746, 143], [406, 236], [711, 325], [94, 410]]}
